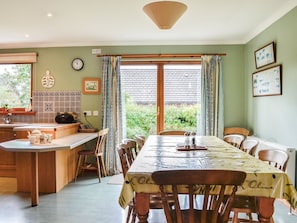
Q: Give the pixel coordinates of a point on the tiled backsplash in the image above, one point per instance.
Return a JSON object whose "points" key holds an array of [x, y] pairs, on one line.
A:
{"points": [[47, 104]]}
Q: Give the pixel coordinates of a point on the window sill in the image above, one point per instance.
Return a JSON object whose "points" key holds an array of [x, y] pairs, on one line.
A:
{"points": [[18, 113]]}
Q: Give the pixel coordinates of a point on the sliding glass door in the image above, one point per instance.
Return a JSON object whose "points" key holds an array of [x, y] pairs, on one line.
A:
{"points": [[160, 96]]}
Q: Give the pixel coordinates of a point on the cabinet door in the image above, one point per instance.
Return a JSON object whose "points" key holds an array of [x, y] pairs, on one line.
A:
{"points": [[7, 159]]}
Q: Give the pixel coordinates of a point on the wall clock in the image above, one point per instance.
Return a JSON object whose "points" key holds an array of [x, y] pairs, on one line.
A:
{"points": [[47, 80], [77, 64]]}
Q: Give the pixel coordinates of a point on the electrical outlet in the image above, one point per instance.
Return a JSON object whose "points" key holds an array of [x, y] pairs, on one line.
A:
{"points": [[95, 113], [87, 113]]}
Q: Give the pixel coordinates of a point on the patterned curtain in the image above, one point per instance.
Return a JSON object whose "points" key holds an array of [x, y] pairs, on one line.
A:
{"points": [[211, 115], [112, 104]]}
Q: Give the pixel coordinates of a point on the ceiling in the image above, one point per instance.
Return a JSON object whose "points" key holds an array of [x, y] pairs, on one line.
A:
{"points": [[25, 24]]}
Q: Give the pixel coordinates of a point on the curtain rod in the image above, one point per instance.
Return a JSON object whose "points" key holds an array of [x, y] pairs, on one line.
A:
{"points": [[163, 55]]}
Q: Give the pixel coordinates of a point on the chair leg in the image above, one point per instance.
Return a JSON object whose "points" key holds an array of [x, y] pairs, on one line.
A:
{"points": [[98, 169], [235, 217], [130, 209], [78, 167], [103, 166], [133, 215]]}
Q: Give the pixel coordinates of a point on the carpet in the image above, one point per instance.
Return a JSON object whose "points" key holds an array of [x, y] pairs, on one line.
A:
{"points": [[116, 179]]}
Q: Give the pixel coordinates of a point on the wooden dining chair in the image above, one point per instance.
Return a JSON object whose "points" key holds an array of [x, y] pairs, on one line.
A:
{"points": [[188, 182], [236, 130], [131, 149], [140, 140], [155, 199], [274, 157], [97, 152], [235, 140], [247, 204], [249, 146], [172, 132]]}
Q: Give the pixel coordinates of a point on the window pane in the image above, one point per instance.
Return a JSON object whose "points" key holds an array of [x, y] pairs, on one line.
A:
{"points": [[181, 97], [139, 84], [15, 85]]}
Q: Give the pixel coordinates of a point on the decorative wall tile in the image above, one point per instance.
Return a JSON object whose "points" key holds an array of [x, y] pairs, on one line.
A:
{"points": [[47, 104]]}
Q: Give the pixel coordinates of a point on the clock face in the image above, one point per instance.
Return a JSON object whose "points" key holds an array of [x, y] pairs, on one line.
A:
{"points": [[77, 64]]}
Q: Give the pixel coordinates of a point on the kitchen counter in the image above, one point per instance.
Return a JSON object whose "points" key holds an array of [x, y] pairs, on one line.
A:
{"points": [[67, 142], [19, 130], [46, 168]]}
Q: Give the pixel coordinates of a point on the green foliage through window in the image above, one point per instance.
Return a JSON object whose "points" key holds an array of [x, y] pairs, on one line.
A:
{"points": [[15, 85]]}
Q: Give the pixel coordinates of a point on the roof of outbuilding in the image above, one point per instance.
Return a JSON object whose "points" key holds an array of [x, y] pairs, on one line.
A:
{"points": [[180, 85]]}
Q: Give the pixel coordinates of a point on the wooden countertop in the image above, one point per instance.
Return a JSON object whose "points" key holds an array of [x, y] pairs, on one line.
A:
{"points": [[43, 126], [67, 142], [22, 126]]}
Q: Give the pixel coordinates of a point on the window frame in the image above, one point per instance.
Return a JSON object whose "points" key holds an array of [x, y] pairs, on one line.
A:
{"points": [[19, 58], [160, 122]]}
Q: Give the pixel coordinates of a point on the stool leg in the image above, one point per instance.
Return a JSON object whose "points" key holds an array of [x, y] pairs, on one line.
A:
{"points": [[78, 167]]}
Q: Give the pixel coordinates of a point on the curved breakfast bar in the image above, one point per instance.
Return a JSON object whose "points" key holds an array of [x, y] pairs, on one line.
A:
{"points": [[46, 168]]}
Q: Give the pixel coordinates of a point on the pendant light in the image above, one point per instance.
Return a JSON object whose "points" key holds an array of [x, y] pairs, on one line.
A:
{"points": [[165, 13]]}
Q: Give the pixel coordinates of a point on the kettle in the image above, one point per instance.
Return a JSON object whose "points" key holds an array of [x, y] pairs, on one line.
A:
{"points": [[7, 119]]}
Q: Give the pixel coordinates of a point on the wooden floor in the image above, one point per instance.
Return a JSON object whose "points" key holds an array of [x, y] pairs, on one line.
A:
{"points": [[85, 201]]}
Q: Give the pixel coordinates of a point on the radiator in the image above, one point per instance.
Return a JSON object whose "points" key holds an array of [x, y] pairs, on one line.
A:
{"points": [[291, 166]]}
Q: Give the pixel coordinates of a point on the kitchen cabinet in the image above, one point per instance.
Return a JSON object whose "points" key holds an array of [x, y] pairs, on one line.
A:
{"points": [[7, 159]]}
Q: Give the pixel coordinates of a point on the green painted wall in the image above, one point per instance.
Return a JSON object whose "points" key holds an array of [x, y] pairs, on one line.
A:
{"points": [[274, 117], [58, 61]]}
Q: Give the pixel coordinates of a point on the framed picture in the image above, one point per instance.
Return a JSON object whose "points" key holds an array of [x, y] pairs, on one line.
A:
{"points": [[265, 55], [267, 82], [91, 86]]}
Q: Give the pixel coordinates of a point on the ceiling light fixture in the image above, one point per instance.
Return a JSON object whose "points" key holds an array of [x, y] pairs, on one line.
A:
{"points": [[165, 13]]}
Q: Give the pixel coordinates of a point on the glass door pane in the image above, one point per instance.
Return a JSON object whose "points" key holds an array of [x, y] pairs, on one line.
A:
{"points": [[139, 84], [181, 97]]}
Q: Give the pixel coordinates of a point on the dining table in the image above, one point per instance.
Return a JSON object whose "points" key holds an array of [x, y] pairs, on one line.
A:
{"points": [[263, 181]]}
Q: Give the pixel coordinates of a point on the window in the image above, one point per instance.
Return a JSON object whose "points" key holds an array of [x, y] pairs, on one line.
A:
{"points": [[160, 96], [16, 79], [15, 85]]}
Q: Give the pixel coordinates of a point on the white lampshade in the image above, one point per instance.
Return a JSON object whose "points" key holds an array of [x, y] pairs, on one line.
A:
{"points": [[165, 13]]}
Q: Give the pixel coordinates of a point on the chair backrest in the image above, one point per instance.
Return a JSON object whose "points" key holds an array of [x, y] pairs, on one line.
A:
{"points": [[140, 140], [235, 140], [172, 132], [276, 158], [122, 151], [236, 130], [102, 135], [130, 146], [215, 208], [249, 146]]}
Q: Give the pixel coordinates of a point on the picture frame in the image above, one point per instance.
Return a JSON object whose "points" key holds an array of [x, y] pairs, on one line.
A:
{"points": [[91, 86], [265, 55], [267, 82]]}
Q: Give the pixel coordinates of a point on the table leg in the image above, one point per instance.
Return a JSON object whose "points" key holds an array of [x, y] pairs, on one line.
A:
{"points": [[34, 180], [142, 206], [265, 209]]}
